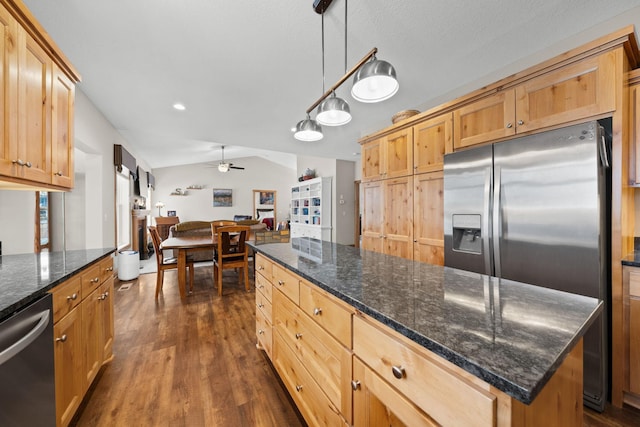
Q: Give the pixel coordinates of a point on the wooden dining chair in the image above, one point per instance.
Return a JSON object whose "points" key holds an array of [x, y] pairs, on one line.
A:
{"points": [[231, 252], [166, 263], [221, 223]]}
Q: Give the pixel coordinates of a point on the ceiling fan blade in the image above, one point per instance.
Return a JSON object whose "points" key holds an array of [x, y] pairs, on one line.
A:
{"points": [[236, 167]]}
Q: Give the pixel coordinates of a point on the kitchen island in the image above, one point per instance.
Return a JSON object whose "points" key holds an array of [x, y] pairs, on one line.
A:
{"points": [[498, 335]]}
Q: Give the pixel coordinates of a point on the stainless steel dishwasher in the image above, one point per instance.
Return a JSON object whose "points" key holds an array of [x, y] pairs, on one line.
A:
{"points": [[27, 383]]}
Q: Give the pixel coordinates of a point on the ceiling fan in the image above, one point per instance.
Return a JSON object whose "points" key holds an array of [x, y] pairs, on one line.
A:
{"points": [[225, 166]]}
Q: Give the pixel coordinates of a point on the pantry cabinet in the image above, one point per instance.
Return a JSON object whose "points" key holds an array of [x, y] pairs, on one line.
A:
{"points": [[83, 334], [38, 88], [387, 225], [428, 218], [432, 139]]}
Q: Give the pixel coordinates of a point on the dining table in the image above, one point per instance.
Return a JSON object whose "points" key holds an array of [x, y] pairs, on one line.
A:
{"points": [[183, 246]]}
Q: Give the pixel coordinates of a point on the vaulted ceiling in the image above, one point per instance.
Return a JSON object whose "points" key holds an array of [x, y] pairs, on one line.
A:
{"points": [[247, 70]]}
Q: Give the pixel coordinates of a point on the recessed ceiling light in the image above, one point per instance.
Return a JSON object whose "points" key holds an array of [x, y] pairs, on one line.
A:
{"points": [[179, 106]]}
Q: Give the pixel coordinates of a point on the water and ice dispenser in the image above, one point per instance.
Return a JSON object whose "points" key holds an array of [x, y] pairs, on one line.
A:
{"points": [[467, 233]]}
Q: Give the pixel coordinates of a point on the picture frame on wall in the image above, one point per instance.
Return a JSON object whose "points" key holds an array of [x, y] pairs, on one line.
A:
{"points": [[222, 197], [267, 197], [171, 213]]}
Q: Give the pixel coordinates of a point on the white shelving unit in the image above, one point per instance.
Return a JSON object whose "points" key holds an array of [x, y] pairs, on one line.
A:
{"points": [[311, 209]]}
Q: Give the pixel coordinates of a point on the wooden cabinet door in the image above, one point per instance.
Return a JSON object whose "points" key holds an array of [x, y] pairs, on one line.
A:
{"points": [[92, 336], [376, 403], [431, 140], [372, 161], [398, 154], [634, 131], [8, 93], [106, 319], [398, 217], [484, 120], [584, 89], [69, 365], [34, 106], [428, 218], [62, 129], [634, 344], [373, 215]]}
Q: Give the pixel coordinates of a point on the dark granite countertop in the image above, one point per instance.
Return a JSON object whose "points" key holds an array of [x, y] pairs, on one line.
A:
{"points": [[632, 260], [26, 277], [512, 335]]}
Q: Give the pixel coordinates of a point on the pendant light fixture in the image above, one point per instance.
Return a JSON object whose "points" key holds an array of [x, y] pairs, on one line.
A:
{"points": [[308, 130], [375, 80], [334, 111]]}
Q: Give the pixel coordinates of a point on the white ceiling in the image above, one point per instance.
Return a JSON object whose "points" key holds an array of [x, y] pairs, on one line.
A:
{"points": [[248, 69]]}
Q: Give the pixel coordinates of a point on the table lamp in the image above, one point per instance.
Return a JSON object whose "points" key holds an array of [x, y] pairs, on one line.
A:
{"points": [[159, 205]]}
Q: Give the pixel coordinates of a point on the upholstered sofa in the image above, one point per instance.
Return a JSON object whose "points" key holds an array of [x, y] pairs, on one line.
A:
{"points": [[203, 228]]}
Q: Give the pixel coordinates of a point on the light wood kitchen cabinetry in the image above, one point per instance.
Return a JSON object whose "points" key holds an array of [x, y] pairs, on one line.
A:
{"points": [[432, 139], [632, 334], [83, 334], [37, 97], [264, 310], [428, 218], [387, 225], [390, 156], [634, 124], [583, 89]]}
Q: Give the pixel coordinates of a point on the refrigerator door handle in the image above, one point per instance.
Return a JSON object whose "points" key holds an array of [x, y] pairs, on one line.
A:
{"points": [[486, 215], [497, 226], [604, 152]]}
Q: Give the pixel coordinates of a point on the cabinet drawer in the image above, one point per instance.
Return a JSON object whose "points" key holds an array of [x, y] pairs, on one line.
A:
{"points": [[438, 391], [315, 407], [326, 312], [286, 282], [326, 360], [264, 266], [264, 305], [634, 283], [106, 269], [65, 297], [90, 280], [264, 286], [264, 333]]}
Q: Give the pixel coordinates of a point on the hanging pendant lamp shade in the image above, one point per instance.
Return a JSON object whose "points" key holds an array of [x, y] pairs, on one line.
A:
{"points": [[375, 81], [308, 130], [333, 111]]}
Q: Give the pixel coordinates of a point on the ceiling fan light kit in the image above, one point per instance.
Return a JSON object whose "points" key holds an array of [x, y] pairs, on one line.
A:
{"points": [[374, 81], [225, 166]]}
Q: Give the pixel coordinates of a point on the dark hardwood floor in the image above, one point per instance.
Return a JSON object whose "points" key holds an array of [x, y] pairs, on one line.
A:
{"points": [[195, 364]]}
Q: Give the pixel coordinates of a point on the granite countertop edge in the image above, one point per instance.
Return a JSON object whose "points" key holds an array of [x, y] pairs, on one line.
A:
{"points": [[10, 304], [507, 386]]}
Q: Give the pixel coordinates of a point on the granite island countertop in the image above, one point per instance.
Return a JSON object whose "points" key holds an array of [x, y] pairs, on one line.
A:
{"points": [[26, 277], [511, 335], [632, 259]]}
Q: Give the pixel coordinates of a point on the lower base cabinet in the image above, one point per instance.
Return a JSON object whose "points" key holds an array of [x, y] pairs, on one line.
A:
{"points": [[83, 334], [342, 368]]}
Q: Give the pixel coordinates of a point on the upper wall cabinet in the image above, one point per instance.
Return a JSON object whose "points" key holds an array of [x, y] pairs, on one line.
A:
{"points": [[37, 94], [432, 139], [579, 90], [390, 156]]}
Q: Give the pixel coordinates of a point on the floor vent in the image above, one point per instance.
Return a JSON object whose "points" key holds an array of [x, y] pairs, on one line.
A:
{"points": [[125, 287]]}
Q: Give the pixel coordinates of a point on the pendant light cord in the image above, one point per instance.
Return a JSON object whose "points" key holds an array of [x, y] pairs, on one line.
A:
{"points": [[345, 35], [322, 20]]}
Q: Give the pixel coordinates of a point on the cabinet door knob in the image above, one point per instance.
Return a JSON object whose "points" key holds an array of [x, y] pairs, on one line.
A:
{"points": [[59, 173], [72, 297], [520, 122], [355, 385], [260, 268], [63, 338], [95, 280], [317, 311], [298, 388], [260, 305], [298, 335], [260, 331], [280, 282], [398, 372], [509, 125]]}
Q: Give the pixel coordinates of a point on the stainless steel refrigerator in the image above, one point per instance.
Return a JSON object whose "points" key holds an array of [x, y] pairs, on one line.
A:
{"points": [[535, 209]]}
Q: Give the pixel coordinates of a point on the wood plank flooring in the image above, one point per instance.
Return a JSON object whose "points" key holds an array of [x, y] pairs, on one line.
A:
{"points": [[192, 364], [195, 364]]}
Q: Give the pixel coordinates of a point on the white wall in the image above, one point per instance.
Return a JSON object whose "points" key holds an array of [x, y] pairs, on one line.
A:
{"points": [[17, 216], [197, 205], [342, 184]]}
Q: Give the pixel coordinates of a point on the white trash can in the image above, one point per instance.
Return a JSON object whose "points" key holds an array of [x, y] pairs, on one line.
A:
{"points": [[128, 265]]}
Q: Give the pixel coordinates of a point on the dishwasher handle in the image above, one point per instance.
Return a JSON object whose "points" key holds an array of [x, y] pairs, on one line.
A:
{"points": [[27, 339]]}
